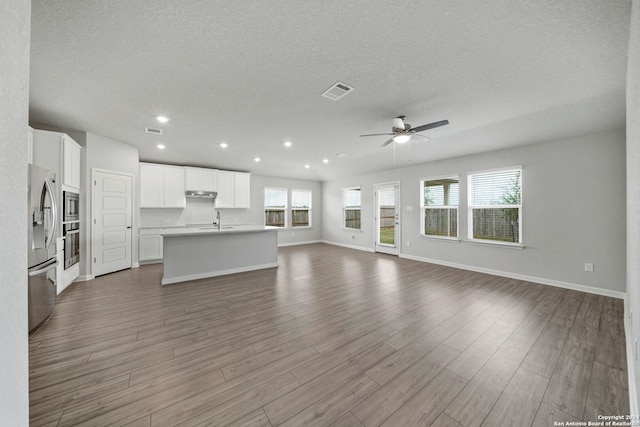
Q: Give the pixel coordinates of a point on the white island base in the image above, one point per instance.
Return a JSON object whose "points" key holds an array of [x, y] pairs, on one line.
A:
{"points": [[198, 255]]}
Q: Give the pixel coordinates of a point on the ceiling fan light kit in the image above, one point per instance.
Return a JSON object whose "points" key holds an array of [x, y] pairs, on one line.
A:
{"points": [[401, 138]]}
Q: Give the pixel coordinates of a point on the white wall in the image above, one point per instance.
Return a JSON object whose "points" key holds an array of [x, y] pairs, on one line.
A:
{"points": [[15, 21], [108, 154], [633, 199], [573, 212]]}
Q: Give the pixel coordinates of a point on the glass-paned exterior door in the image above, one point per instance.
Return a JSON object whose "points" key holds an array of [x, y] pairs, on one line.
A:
{"points": [[387, 218]]}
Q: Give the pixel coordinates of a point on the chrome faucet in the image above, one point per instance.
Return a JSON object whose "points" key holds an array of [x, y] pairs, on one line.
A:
{"points": [[218, 222]]}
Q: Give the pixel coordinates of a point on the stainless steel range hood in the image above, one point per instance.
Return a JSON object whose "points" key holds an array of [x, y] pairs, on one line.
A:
{"points": [[201, 194]]}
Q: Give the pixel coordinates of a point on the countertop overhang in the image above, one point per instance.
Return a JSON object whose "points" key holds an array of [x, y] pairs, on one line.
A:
{"points": [[212, 230]]}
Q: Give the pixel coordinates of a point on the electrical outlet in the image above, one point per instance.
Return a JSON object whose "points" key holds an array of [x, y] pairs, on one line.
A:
{"points": [[353, 236], [408, 242], [588, 267]]}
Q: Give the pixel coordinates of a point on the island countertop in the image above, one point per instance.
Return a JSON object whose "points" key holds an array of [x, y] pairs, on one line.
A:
{"points": [[213, 229]]}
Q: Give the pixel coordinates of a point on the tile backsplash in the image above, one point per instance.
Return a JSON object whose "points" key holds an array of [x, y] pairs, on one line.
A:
{"points": [[197, 211]]}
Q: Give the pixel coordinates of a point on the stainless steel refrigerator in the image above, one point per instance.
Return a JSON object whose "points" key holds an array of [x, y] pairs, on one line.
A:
{"points": [[43, 217]]}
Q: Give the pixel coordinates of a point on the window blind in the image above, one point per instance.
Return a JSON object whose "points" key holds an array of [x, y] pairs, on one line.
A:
{"points": [[275, 198], [495, 188]]}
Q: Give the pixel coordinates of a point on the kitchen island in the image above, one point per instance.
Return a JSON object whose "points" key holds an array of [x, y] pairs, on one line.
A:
{"points": [[198, 253]]}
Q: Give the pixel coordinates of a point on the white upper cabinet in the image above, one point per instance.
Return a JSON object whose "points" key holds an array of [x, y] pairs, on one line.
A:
{"points": [[242, 190], [225, 189], [234, 190], [174, 196], [200, 179], [162, 186], [59, 153], [30, 145], [71, 162], [151, 186], [165, 186]]}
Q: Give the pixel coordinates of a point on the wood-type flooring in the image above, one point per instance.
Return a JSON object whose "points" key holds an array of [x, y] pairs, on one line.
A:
{"points": [[332, 337]]}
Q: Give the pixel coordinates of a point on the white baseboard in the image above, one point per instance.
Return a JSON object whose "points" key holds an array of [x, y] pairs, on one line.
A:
{"points": [[631, 378], [306, 242], [535, 279], [153, 261], [188, 277], [85, 278], [359, 248]]}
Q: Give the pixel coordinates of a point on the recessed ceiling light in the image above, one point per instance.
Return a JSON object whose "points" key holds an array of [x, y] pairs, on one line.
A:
{"points": [[257, 159], [160, 146], [223, 145], [325, 160], [162, 119], [288, 144], [307, 166]]}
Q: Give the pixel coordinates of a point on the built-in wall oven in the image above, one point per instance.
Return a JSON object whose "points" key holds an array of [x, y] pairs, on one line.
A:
{"points": [[71, 228], [71, 206], [71, 243]]}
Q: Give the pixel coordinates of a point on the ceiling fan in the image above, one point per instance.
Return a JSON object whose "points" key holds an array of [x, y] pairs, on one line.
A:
{"points": [[402, 132]]}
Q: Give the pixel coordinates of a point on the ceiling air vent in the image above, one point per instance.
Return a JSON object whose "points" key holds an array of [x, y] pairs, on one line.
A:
{"points": [[337, 91], [153, 131]]}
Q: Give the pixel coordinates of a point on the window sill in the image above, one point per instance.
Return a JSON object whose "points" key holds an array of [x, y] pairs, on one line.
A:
{"points": [[352, 230], [290, 228], [441, 238], [495, 244]]}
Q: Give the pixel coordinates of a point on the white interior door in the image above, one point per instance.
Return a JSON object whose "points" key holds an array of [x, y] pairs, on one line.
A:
{"points": [[111, 222], [387, 219]]}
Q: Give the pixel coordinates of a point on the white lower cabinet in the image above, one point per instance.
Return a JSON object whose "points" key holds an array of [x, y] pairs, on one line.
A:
{"points": [[151, 245]]}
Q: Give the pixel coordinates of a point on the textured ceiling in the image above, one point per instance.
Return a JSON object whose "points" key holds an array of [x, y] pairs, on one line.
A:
{"points": [[503, 72]]}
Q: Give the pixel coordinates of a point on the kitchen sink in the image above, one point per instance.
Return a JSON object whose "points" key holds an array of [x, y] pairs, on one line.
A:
{"points": [[215, 227]]}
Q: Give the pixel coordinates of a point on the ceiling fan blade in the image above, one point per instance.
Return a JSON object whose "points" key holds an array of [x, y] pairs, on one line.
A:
{"points": [[429, 126], [387, 142], [419, 138], [377, 134]]}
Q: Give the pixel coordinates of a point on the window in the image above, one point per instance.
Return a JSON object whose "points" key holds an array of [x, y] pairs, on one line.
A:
{"points": [[495, 204], [351, 208], [276, 212], [275, 206], [300, 208], [439, 213]]}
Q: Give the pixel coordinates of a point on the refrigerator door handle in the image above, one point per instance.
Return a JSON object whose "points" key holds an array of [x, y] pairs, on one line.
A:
{"points": [[54, 214], [52, 263]]}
